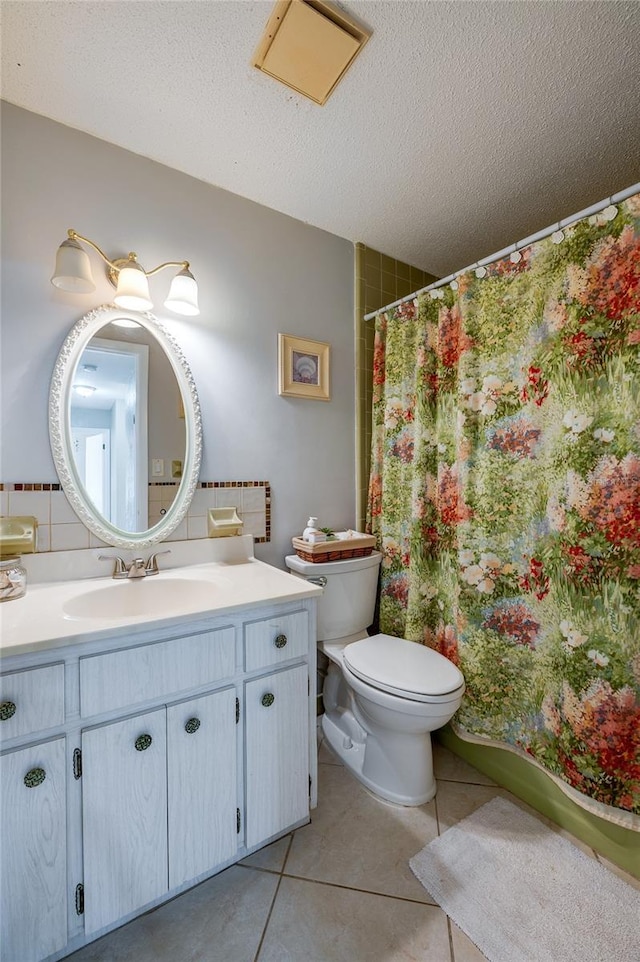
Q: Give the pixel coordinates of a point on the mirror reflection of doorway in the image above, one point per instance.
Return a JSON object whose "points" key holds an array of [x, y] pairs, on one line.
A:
{"points": [[92, 451], [109, 430]]}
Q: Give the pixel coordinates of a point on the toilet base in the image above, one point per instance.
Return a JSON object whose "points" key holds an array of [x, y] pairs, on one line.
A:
{"points": [[378, 768]]}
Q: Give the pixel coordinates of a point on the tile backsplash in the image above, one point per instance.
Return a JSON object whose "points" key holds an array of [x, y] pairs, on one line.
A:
{"points": [[60, 530]]}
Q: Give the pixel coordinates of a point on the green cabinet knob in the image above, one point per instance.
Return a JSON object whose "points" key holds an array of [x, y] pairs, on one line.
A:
{"points": [[192, 726], [142, 742], [7, 710], [35, 777], [268, 699], [280, 641]]}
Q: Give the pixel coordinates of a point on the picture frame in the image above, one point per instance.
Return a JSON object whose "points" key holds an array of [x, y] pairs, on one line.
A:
{"points": [[303, 368]]}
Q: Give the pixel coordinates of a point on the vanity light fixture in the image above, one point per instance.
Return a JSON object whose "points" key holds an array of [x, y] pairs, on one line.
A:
{"points": [[73, 274]]}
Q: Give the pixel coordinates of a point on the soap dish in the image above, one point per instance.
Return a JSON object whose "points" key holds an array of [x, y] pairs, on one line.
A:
{"points": [[223, 523], [17, 535]]}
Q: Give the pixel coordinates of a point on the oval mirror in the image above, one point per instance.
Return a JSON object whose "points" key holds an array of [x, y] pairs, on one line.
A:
{"points": [[124, 419]]}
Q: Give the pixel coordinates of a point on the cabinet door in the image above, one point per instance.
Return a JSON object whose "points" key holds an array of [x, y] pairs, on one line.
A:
{"points": [[34, 852], [124, 817], [201, 766], [277, 752]]}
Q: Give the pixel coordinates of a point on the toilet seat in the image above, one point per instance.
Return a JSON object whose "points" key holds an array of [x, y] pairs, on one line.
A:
{"points": [[403, 668]]}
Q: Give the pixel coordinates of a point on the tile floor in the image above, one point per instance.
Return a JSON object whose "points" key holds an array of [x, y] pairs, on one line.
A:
{"points": [[337, 890]]}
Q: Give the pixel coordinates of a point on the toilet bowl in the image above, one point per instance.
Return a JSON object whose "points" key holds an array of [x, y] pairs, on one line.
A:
{"points": [[383, 696]]}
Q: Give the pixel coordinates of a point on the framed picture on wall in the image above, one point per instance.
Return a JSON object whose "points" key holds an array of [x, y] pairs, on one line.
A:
{"points": [[303, 368]]}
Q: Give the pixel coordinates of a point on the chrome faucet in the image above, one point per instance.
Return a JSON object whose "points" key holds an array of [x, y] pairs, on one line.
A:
{"points": [[138, 567], [151, 567]]}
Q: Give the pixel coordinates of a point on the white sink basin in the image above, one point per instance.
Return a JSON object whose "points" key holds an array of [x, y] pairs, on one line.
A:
{"points": [[135, 597]]}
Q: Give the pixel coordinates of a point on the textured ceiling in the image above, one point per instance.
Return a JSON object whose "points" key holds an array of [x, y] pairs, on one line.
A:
{"points": [[460, 128]]}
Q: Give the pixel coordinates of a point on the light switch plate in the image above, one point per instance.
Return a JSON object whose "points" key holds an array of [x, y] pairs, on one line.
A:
{"points": [[157, 468]]}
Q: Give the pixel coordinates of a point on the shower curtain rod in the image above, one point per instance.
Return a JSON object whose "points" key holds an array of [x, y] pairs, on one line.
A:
{"points": [[587, 212]]}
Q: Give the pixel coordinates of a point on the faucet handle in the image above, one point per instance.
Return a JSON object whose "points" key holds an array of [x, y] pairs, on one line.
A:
{"points": [[119, 568], [136, 569], [151, 567]]}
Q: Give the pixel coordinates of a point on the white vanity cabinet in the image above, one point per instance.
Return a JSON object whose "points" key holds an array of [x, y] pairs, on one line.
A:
{"points": [[277, 725], [33, 828], [159, 803], [124, 817], [34, 852], [168, 754], [202, 784], [277, 773]]}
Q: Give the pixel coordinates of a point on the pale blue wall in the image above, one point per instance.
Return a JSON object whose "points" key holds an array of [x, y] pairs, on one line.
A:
{"points": [[259, 272]]}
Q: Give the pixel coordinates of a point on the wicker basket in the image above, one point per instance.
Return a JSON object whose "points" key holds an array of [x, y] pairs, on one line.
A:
{"points": [[335, 550]]}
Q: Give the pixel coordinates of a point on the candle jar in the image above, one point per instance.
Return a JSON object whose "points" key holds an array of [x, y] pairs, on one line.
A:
{"points": [[13, 578]]}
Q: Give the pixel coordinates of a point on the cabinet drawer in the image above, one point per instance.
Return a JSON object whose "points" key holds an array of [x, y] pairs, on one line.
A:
{"points": [[32, 700], [120, 678], [274, 640]]}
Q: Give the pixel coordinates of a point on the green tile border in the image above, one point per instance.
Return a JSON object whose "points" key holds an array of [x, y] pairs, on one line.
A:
{"points": [[620, 845], [379, 280]]}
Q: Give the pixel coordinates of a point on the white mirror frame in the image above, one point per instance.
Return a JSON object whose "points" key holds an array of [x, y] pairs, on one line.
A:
{"points": [[60, 428]]}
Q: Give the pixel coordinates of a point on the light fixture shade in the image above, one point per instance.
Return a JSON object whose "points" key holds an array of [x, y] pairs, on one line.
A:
{"points": [[183, 294], [125, 322], [133, 288], [73, 270], [84, 390]]}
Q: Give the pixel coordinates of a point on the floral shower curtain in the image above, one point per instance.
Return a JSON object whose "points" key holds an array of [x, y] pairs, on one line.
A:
{"points": [[505, 495]]}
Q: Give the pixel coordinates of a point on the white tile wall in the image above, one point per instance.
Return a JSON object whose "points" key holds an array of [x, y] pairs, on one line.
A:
{"points": [[228, 497], [155, 493], [203, 499], [61, 510], [196, 526], [254, 524], [253, 499], [43, 537], [180, 533], [35, 503], [60, 530], [66, 537], [95, 542]]}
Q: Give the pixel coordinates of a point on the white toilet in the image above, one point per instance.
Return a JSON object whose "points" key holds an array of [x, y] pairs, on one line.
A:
{"points": [[383, 696]]}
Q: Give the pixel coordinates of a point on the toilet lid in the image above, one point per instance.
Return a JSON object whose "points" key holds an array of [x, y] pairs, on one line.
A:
{"points": [[402, 667]]}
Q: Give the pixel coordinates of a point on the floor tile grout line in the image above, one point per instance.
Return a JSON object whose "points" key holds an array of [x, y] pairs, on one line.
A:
{"points": [[452, 953], [269, 871], [352, 888], [337, 885], [259, 868], [286, 854], [268, 919], [273, 902], [465, 781], [435, 805]]}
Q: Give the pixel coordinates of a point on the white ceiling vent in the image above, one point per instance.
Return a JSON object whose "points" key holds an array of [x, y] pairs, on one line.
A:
{"points": [[309, 45]]}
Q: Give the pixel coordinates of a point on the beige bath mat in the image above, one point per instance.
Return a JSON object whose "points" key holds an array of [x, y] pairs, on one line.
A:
{"points": [[523, 893]]}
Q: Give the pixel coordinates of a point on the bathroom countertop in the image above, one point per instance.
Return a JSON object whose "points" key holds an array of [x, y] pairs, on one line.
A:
{"points": [[53, 614]]}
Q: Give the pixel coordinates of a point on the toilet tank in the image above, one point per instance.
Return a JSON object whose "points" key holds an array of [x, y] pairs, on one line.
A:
{"points": [[349, 600]]}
